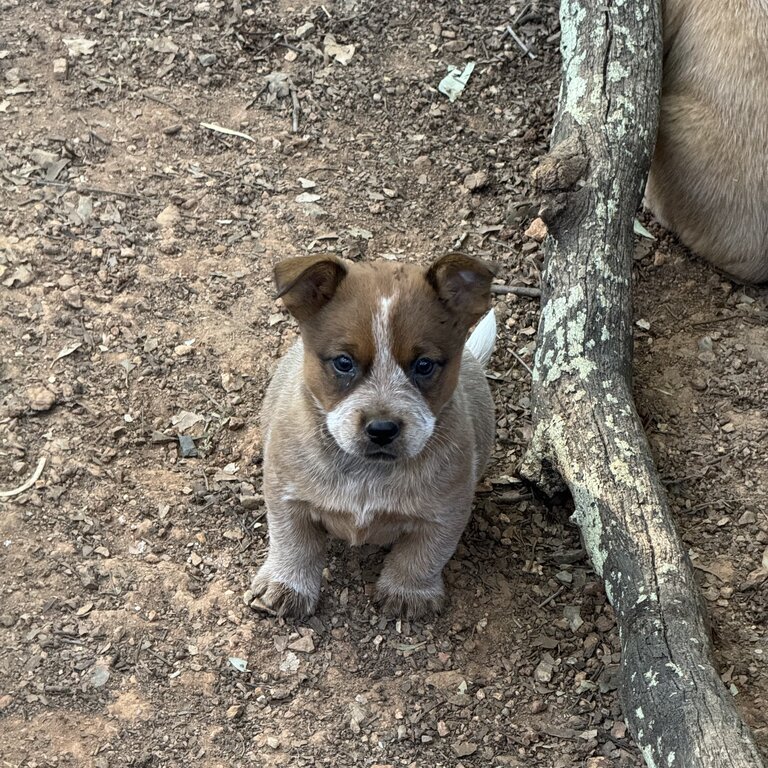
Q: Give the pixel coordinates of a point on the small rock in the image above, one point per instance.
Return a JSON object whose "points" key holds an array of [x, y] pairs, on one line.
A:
{"points": [[273, 742], [442, 728], [305, 30], [22, 276], [599, 762], [235, 711], [572, 614], [303, 645], [290, 663], [65, 282], [544, 670], [475, 181], [538, 706], [43, 158], [187, 448], [97, 676], [464, 748], [456, 46], [619, 730], [168, 216], [195, 559], [40, 398], [5, 701], [357, 716], [449, 680], [206, 60], [72, 297], [251, 502], [748, 518], [232, 382], [182, 350], [59, 69], [537, 230], [757, 352]]}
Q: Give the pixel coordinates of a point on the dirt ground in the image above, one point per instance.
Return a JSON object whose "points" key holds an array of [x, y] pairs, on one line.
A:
{"points": [[135, 306]]}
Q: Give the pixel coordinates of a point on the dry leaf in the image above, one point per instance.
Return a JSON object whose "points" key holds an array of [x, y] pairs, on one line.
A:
{"points": [[78, 46], [227, 131], [341, 53]]}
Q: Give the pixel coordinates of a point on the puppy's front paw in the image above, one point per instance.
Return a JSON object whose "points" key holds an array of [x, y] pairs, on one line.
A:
{"points": [[411, 602], [280, 598]]}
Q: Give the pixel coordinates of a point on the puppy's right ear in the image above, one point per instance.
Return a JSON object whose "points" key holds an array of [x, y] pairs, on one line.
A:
{"points": [[307, 283]]}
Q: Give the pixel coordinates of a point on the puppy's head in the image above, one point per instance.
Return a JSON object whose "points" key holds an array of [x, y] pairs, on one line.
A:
{"points": [[383, 344]]}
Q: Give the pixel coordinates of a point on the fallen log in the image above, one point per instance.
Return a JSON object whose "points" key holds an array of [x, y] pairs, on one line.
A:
{"points": [[587, 434]]}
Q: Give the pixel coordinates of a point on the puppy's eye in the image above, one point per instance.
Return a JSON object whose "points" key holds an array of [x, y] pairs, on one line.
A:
{"points": [[343, 364], [424, 367]]}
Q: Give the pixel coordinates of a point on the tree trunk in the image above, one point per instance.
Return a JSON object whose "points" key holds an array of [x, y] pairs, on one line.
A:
{"points": [[587, 434]]}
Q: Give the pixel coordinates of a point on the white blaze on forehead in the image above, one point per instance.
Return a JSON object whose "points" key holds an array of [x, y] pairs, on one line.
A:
{"points": [[386, 373], [386, 392]]}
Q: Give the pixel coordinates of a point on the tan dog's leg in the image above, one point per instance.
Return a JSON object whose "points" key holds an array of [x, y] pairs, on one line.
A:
{"points": [[289, 580], [411, 582]]}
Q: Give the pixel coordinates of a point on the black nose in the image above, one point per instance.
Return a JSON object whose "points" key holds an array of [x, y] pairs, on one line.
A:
{"points": [[382, 432]]}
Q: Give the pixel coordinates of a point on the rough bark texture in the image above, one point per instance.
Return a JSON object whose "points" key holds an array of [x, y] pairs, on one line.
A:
{"points": [[587, 433]]}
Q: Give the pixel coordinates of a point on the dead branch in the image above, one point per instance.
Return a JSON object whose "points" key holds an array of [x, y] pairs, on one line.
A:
{"points": [[587, 435]]}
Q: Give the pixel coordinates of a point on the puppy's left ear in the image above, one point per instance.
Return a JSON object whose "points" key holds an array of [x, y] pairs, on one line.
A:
{"points": [[463, 284], [307, 283]]}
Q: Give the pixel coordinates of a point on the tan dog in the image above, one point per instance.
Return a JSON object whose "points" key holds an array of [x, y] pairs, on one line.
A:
{"points": [[709, 177], [377, 424]]}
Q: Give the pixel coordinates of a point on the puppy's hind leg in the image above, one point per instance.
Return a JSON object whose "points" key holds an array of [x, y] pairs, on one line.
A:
{"points": [[289, 580]]}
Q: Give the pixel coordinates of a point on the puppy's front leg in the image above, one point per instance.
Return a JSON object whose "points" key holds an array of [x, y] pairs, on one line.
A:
{"points": [[289, 580], [411, 581]]}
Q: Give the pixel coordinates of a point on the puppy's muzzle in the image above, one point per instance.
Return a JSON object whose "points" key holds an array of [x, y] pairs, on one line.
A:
{"points": [[382, 432]]}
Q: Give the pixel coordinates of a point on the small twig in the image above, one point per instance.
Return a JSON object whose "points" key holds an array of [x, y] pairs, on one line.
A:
{"points": [[522, 362], [269, 46], [165, 103], [224, 411], [517, 290], [115, 192], [65, 186], [257, 96], [158, 656], [512, 497], [523, 47], [296, 110], [715, 320], [27, 483], [550, 598]]}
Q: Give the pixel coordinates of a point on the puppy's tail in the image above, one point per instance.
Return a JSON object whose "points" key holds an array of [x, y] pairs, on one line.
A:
{"points": [[483, 339]]}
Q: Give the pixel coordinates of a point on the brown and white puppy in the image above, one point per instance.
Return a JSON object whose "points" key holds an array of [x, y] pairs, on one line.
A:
{"points": [[377, 424], [709, 176]]}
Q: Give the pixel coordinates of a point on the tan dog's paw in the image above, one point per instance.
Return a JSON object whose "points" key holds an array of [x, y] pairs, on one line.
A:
{"points": [[410, 603], [282, 599]]}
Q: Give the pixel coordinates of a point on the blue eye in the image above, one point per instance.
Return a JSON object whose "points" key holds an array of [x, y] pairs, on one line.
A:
{"points": [[424, 367], [343, 364]]}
